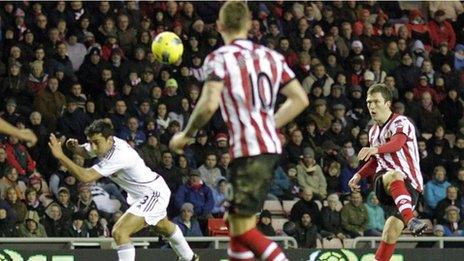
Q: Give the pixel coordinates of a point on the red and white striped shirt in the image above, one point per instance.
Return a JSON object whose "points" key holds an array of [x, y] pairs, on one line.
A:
{"points": [[406, 159], [252, 76]]}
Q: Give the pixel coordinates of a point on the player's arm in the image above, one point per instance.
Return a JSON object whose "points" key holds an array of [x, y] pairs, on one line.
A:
{"points": [[82, 174], [396, 142], [205, 108], [296, 102], [22, 134], [74, 147]]}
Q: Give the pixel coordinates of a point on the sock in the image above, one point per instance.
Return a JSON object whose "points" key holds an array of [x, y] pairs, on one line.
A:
{"points": [[402, 199], [385, 251], [261, 246], [126, 252], [238, 252], [180, 246]]}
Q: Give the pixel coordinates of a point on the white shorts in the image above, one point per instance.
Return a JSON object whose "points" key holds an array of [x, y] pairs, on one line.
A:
{"points": [[153, 205]]}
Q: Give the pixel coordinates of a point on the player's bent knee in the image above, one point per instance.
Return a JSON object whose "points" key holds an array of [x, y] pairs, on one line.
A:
{"points": [[391, 176]]}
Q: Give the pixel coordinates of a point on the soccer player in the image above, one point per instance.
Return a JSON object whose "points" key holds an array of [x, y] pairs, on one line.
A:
{"points": [[22, 134], [147, 192], [393, 157], [244, 79]]}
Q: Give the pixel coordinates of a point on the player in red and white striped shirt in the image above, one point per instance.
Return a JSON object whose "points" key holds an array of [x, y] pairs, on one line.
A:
{"points": [[394, 159], [244, 79]]}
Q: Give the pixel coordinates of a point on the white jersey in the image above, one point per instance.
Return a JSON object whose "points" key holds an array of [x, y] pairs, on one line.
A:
{"points": [[123, 165]]}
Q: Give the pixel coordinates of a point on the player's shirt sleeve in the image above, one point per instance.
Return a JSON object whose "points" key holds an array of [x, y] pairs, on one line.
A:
{"points": [[107, 167], [287, 74], [400, 126], [213, 67]]}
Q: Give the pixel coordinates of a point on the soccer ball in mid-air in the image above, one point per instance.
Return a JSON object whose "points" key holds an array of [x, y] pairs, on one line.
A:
{"points": [[167, 47]]}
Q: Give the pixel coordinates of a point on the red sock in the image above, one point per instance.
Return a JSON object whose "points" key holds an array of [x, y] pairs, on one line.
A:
{"points": [[402, 199], [385, 251], [238, 252], [261, 246]]}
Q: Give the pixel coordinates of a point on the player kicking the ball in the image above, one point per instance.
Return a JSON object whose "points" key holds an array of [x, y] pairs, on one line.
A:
{"points": [[393, 157], [147, 192]]}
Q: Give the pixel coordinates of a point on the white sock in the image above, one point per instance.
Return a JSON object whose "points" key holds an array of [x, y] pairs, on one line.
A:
{"points": [[126, 252], [180, 246]]}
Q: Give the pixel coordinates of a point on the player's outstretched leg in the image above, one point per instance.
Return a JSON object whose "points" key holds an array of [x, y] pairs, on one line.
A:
{"points": [[391, 232], [394, 183], [122, 230], [176, 239], [245, 234]]}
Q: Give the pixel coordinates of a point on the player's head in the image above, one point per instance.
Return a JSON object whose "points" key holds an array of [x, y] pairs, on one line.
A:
{"points": [[100, 136], [234, 18], [379, 99]]}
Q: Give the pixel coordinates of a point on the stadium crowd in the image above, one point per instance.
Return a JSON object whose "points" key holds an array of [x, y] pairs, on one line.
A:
{"points": [[64, 64]]}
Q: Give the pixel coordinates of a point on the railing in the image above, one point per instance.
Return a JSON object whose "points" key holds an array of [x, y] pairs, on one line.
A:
{"points": [[441, 240], [144, 242]]}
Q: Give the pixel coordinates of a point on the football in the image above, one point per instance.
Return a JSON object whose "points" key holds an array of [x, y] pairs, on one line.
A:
{"points": [[167, 48]]}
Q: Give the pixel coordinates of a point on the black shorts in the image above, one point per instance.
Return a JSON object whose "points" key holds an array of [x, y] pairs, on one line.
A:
{"points": [[387, 201], [250, 178]]}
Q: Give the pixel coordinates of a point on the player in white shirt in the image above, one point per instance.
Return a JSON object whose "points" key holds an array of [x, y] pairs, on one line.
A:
{"points": [[147, 192]]}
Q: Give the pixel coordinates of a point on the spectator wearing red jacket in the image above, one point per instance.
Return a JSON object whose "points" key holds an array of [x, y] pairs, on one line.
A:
{"points": [[18, 157], [424, 86], [441, 30]]}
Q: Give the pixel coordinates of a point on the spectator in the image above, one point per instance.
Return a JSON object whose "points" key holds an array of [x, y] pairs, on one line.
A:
{"points": [[435, 190], [18, 157], [53, 221], [452, 108], [295, 147], [67, 207], [332, 178], [73, 121], [429, 114], [210, 174], [31, 226], [306, 204], [332, 222], [77, 228], [459, 58], [11, 180], [310, 174], [451, 224], [321, 116], [7, 221], [76, 50], [97, 226], [319, 78], [405, 74], [3, 162], [37, 79], [151, 151], [265, 223], [16, 204], [33, 203], [132, 132], [49, 102], [197, 193], [200, 148], [62, 61], [441, 30], [354, 216], [186, 221], [219, 195], [451, 199], [376, 216], [224, 161], [14, 86], [85, 202], [306, 231], [281, 185]]}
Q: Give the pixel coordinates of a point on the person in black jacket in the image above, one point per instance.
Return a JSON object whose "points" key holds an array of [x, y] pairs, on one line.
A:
{"points": [[77, 228], [265, 223], [306, 232], [332, 221], [53, 222], [306, 205], [73, 121]]}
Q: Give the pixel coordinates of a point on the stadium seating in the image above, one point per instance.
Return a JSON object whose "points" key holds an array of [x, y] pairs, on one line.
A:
{"points": [[274, 207], [217, 227]]}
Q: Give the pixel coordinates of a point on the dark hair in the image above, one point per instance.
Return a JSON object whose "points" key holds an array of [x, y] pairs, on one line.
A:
{"points": [[383, 90], [99, 127]]}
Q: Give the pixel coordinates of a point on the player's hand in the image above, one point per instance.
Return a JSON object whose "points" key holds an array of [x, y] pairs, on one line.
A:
{"points": [[28, 136], [178, 142], [55, 147], [366, 152], [354, 183], [72, 144]]}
